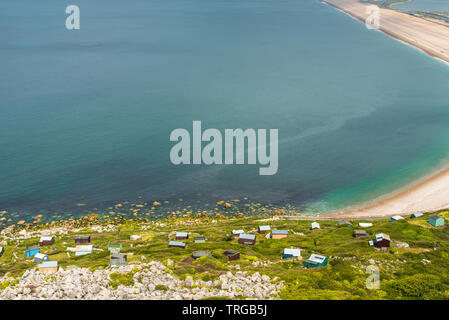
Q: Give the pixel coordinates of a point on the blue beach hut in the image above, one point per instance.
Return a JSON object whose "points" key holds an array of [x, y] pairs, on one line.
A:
{"points": [[31, 251], [436, 221]]}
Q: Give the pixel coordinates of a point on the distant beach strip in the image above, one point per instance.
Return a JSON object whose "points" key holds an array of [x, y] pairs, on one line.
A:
{"points": [[430, 37], [430, 193]]}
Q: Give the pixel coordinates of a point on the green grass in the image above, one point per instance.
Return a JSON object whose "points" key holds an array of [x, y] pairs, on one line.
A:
{"points": [[403, 275]]}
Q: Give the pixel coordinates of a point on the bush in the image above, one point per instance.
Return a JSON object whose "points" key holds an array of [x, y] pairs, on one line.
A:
{"points": [[416, 286]]}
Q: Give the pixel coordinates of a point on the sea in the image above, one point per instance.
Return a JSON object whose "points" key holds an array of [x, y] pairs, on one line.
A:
{"points": [[86, 115]]}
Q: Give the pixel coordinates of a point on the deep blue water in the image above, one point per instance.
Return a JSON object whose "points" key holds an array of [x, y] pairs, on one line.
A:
{"points": [[85, 115]]}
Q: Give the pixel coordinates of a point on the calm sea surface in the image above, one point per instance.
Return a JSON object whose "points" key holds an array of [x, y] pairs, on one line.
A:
{"points": [[85, 115]]}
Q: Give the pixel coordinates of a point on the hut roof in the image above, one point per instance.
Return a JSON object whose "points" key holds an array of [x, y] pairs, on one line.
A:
{"points": [[230, 252], [201, 253], [182, 234], [247, 236], [435, 217], [40, 256], [177, 243], [87, 247], [293, 252], [238, 231], [382, 236], [316, 258], [264, 228], [45, 238], [48, 264], [275, 231]]}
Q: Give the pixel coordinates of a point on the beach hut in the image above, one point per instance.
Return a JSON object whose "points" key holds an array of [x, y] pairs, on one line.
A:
{"points": [[135, 237], [46, 241], [382, 240], [48, 266], [31, 251], [182, 235], [176, 244], [396, 218], [1, 251], [279, 234], [360, 233], [83, 249], [245, 238], [436, 221], [232, 254], [115, 247], [365, 224], [200, 239], [416, 215], [291, 253], [199, 254], [315, 225], [263, 229], [117, 260], [315, 261], [236, 233], [82, 239], [40, 257]]}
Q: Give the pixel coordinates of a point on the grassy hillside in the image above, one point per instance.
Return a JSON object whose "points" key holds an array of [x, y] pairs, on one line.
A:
{"points": [[405, 273]]}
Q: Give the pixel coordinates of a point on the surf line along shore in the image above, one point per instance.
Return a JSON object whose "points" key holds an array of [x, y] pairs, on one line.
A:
{"points": [[430, 37]]}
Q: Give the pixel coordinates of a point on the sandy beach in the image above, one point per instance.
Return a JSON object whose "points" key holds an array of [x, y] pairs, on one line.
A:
{"points": [[431, 193], [428, 36]]}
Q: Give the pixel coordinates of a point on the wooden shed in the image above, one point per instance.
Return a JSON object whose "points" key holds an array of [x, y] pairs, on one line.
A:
{"points": [[237, 233], [315, 261], [117, 260], [83, 249], [263, 229], [200, 239], [360, 234], [182, 235], [176, 244], [232, 254], [46, 241], [436, 221], [48, 266], [279, 234], [245, 238], [416, 215], [291, 253], [382, 240], [82, 239], [314, 225], [199, 254]]}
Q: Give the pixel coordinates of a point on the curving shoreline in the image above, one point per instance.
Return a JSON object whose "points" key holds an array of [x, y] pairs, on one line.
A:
{"points": [[431, 193], [430, 37]]}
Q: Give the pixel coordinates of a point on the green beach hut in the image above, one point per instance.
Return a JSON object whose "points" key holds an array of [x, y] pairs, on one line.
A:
{"points": [[436, 221], [315, 261]]}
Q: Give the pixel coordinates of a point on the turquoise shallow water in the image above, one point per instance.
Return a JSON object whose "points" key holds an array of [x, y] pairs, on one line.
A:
{"points": [[425, 5], [86, 115]]}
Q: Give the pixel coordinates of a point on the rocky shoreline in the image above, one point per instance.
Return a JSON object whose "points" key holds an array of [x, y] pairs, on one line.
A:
{"points": [[151, 281]]}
